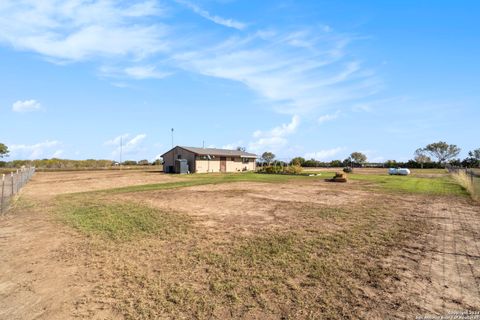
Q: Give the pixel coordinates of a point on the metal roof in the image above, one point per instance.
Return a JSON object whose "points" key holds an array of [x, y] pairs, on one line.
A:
{"points": [[217, 152]]}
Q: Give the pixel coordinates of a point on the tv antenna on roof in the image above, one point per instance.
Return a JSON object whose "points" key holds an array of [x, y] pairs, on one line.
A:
{"points": [[172, 138]]}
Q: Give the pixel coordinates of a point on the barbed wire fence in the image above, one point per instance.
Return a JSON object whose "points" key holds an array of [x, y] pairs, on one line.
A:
{"points": [[10, 185]]}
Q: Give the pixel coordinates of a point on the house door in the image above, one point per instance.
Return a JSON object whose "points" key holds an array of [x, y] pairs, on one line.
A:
{"points": [[223, 164]]}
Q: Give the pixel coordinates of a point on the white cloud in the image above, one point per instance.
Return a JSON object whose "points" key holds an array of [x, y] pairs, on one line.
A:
{"points": [[26, 105], [275, 138], [323, 154], [34, 151], [135, 140], [328, 117], [127, 144], [75, 30], [298, 71], [57, 153], [139, 72], [280, 131], [230, 23], [145, 72], [233, 146], [117, 140]]}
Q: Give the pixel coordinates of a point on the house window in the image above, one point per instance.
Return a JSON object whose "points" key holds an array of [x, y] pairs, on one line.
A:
{"points": [[245, 160], [179, 156]]}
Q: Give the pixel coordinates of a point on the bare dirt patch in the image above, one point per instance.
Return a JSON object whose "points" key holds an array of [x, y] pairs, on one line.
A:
{"points": [[247, 206], [37, 279], [302, 249], [55, 183]]}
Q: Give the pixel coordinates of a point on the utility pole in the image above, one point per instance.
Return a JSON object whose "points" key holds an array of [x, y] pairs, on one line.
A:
{"points": [[172, 138], [121, 150]]}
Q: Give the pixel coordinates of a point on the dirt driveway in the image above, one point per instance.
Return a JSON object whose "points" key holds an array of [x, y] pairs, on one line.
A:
{"points": [[41, 279]]}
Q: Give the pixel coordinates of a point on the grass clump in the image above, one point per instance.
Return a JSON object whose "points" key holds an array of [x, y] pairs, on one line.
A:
{"points": [[411, 184], [471, 185], [119, 221]]}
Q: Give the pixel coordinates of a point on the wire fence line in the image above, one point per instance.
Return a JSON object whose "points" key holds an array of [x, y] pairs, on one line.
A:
{"points": [[10, 185], [473, 175]]}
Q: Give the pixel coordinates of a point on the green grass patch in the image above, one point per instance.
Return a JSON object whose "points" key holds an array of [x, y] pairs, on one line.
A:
{"points": [[443, 185], [119, 221], [209, 178]]}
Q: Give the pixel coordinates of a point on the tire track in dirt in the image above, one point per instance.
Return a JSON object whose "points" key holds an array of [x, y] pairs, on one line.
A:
{"points": [[453, 258], [471, 259]]}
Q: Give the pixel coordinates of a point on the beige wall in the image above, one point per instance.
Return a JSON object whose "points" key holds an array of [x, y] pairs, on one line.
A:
{"points": [[204, 166], [213, 165], [237, 165]]}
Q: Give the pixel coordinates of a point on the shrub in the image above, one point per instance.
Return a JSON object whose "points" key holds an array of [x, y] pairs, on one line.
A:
{"points": [[293, 170], [347, 169], [280, 170]]}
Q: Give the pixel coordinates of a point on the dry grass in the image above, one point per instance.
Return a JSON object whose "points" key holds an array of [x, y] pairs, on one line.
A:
{"points": [[471, 185], [317, 261], [257, 247]]}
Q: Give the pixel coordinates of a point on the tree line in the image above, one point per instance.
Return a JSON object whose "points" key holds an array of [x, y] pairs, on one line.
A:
{"points": [[56, 163], [433, 155]]}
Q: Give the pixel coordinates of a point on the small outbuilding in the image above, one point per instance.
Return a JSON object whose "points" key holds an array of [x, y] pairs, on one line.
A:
{"points": [[202, 160]]}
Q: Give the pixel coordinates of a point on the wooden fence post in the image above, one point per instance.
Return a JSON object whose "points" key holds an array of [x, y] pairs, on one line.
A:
{"points": [[11, 175], [3, 189]]}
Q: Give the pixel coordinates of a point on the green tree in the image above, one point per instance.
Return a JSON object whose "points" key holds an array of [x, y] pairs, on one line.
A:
{"points": [[473, 159], [3, 150], [475, 154], [358, 158], [391, 163], [297, 161], [268, 157], [442, 151], [241, 149], [421, 157], [336, 163]]}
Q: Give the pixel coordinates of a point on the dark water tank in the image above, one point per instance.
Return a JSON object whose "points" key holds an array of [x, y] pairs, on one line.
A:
{"points": [[181, 166]]}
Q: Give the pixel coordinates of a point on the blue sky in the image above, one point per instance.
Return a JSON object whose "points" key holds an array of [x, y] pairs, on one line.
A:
{"points": [[318, 79]]}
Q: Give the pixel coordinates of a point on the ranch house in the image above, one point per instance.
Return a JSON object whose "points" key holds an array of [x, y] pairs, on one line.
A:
{"points": [[202, 160]]}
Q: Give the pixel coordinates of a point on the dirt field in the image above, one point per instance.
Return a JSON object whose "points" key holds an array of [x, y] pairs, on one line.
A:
{"points": [[299, 248]]}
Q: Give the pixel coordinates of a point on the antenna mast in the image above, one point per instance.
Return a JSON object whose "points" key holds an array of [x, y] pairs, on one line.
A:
{"points": [[121, 149]]}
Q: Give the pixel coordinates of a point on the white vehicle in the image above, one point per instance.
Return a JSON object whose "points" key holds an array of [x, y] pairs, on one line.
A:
{"points": [[399, 171]]}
